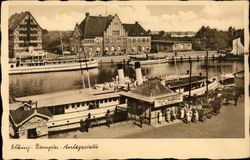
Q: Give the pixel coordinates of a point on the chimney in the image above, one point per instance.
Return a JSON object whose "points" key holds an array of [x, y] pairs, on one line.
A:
{"points": [[100, 15], [138, 73], [120, 72], [136, 22], [87, 14]]}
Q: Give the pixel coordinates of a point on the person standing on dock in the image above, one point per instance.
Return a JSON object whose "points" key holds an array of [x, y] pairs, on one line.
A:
{"points": [[81, 125], [87, 122], [108, 118], [159, 117], [196, 116], [168, 116], [236, 96], [141, 120], [182, 113]]}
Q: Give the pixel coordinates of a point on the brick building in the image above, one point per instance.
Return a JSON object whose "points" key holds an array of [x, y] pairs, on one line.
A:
{"points": [[107, 35], [25, 34]]}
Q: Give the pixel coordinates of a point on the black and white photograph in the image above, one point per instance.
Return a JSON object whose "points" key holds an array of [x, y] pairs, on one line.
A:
{"points": [[126, 71]]}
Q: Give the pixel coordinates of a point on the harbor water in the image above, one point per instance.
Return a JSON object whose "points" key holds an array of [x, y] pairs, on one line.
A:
{"points": [[40, 83]]}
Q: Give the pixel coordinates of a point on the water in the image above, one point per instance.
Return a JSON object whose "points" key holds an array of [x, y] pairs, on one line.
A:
{"points": [[39, 83]]}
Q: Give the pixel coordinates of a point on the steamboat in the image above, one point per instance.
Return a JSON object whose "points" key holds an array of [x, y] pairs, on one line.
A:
{"points": [[37, 63]]}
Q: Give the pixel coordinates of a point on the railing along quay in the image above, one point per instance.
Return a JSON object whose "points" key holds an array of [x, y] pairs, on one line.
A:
{"points": [[170, 59]]}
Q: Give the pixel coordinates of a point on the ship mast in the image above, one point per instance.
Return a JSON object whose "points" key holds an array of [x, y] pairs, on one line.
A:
{"points": [[190, 81], [61, 42], [83, 83], [207, 75], [87, 73]]}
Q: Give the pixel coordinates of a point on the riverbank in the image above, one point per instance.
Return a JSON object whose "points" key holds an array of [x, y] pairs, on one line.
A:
{"points": [[125, 58], [228, 124]]}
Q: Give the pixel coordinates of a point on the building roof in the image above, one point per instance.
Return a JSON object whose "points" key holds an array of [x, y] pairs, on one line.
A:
{"points": [[94, 26], [152, 88], [19, 115], [135, 30], [17, 18]]}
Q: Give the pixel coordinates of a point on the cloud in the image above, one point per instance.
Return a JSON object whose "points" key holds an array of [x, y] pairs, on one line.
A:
{"points": [[218, 16]]}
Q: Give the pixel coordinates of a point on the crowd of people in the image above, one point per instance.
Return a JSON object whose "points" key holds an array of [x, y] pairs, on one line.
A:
{"points": [[200, 108]]}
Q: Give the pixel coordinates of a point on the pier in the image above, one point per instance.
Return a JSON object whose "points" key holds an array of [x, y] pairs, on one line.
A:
{"points": [[171, 57]]}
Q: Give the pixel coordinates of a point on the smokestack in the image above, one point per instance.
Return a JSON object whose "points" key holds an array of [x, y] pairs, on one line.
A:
{"points": [[120, 72], [138, 73]]}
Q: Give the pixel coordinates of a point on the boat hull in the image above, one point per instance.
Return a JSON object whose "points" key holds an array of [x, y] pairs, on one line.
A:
{"points": [[148, 62], [52, 68], [202, 90]]}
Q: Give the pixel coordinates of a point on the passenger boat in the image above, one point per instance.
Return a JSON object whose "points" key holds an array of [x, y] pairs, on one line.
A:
{"points": [[198, 84], [69, 107], [147, 60], [36, 62]]}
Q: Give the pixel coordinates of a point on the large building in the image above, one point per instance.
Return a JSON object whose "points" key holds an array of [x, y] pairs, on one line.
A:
{"points": [[107, 35], [25, 34], [171, 46]]}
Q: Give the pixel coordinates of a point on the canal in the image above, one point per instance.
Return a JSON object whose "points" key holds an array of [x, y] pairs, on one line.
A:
{"points": [[39, 83]]}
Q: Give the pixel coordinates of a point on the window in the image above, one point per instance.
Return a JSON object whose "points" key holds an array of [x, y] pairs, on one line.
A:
{"points": [[143, 39], [78, 104], [110, 99], [139, 39], [106, 100], [116, 33], [101, 101], [67, 106], [134, 40], [73, 105]]}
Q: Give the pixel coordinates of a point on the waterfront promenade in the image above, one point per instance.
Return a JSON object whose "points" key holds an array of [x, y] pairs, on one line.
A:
{"points": [[228, 124]]}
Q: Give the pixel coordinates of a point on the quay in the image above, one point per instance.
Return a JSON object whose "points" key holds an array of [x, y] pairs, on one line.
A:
{"points": [[181, 57], [228, 124]]}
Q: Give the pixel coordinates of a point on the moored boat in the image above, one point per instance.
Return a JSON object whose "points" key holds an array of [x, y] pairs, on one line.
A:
{"points": [[198, 84], [36, 62]]}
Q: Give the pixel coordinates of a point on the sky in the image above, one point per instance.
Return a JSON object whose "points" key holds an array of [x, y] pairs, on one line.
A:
{"points": [[153, 17]]}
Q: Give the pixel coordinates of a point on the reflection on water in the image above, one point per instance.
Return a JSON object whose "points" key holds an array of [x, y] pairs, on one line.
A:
{"points": [[32, 84]]}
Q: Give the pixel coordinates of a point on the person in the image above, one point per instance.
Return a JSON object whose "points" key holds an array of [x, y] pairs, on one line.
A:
{"points": [[81, 125], [182, 113], [159, 117], [173, 114], [236, 96], [141, 120], [95, 121], [196, 116], [87, 123], [168, 116], [108, 118], [189, 116]]}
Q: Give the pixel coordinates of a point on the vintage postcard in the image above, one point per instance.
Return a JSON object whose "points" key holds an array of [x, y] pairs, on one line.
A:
{"points": [[101, 80]]}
